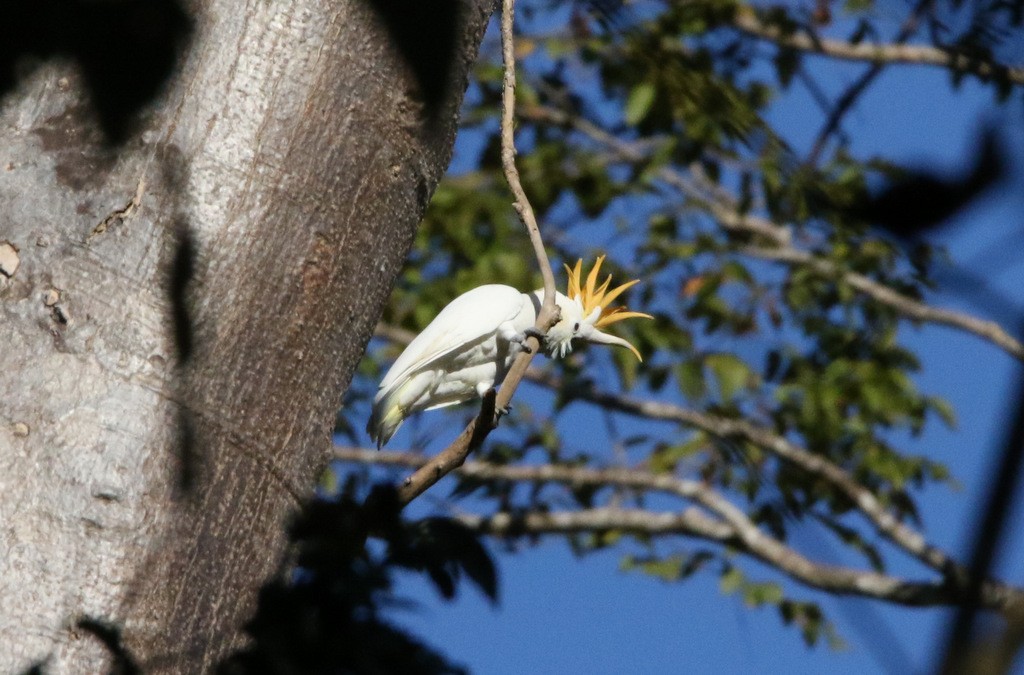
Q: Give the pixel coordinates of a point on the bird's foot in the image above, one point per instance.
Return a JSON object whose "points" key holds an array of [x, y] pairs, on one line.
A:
{"points": [[520, 339], [501, 412]]}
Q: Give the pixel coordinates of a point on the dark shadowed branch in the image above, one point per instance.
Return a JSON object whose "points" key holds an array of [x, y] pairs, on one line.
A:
{"points": [[988, 534]]}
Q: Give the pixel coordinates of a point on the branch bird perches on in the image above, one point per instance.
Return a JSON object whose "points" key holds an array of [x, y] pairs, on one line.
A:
{"points": [[473, 436]]}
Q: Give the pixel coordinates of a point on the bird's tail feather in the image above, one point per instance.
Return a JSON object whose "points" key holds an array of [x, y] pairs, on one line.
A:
{"points": [[385, 419]]}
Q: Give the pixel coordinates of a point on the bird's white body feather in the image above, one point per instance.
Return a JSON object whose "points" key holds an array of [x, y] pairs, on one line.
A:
{"points": [[467, 349]]}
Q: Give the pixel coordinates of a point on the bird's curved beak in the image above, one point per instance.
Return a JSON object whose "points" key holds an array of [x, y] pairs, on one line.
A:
{"points": [[606, 339]]}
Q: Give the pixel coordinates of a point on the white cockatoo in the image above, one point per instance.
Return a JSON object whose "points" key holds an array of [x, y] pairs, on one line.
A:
{"points": [[469, 347]]}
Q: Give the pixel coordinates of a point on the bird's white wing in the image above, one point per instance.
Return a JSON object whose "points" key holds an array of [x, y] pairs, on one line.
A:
{"points": [[470, 316]]}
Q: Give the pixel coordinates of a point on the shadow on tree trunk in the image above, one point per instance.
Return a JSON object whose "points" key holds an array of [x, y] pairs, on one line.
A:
{"points": [[325, 609], [126, 50]]}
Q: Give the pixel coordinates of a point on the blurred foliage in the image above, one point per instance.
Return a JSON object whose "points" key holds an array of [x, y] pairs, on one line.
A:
{"points": [[641, 126], [325, 612]]}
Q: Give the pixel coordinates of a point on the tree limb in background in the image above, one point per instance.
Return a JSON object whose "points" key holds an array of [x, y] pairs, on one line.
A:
{"points": [[826, 577], [726, 524], [908, 307], [724, 209], [862, 498], [748, 22], [473, 436]]}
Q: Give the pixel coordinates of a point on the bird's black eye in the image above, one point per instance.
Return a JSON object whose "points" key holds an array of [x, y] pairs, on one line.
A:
{"points": [[576, 328]]}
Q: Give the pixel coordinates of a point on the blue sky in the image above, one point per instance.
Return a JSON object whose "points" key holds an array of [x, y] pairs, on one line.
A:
{"points": [[560, 614]]}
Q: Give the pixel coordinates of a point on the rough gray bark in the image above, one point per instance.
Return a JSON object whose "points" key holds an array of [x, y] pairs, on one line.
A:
{"points": [[296, 149]]}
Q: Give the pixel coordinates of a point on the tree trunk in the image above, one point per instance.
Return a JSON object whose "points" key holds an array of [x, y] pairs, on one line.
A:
{"points": [[181, 313]]}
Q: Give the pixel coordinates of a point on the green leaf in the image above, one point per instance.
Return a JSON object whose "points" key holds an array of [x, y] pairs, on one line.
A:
{"points": [[328, 482], [731, 580], [627, 367], [731, 373], [664, 460], [690, 376], [669, 569], [639, 103], [606, 538], [944, 409], [755, 595]]}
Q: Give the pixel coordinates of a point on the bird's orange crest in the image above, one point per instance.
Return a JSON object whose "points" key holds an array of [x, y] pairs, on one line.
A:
{"points": [[592, 296]]}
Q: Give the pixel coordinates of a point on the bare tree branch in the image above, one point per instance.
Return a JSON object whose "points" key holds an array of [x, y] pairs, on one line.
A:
{"points": [[696, 491], [508, 164], [725, 211], [749, 23], [473, 436], [899, 533], [830, 578], [728, 525], [452, 457], [687, 522], [909, 307]]}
